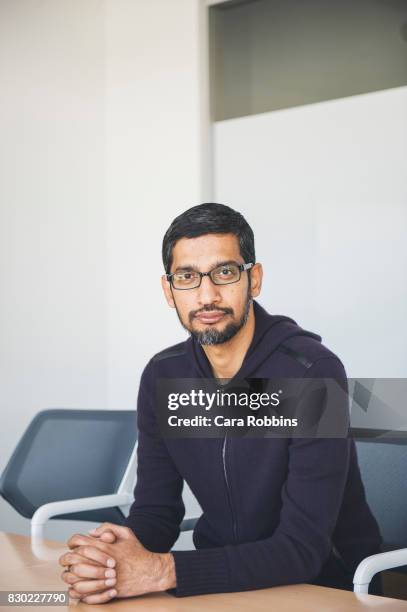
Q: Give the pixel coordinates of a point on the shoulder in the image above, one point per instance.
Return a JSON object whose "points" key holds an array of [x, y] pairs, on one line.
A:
{"points": [[167, 357], [154, 367], [172, 352], [315, 357]]}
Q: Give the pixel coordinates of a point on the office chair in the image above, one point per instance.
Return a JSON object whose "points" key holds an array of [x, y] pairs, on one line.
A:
{"points": [[76, 465], [382, 457]]}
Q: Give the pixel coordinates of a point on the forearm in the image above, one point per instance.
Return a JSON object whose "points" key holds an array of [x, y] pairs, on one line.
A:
{"points": [[265, 563], [156, 534]]}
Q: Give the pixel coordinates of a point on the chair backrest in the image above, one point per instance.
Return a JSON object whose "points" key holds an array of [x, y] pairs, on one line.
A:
{"points": [[382, 457], [68, 454]]}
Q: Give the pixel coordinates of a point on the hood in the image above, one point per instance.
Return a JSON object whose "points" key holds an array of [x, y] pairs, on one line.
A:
{"points": [[269, 333]]}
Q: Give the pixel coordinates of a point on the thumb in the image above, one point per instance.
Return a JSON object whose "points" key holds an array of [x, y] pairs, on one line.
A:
{"points": [[117, 530], [108, 536]]}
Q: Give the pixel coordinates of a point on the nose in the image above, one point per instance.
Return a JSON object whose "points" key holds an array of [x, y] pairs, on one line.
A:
{"points": [[208, 292]]}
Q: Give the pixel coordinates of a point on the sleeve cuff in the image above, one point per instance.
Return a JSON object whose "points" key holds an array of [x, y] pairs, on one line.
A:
{"points": [[199, 572]]}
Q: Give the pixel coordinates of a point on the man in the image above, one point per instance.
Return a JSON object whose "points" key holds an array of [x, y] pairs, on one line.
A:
{"points": [[275, 511]]}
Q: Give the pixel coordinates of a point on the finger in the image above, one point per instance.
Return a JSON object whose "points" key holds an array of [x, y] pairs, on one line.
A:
{"points": [[118, 530], [88, 587], [107, 536], [72, 558], [93, 553], [100, 597], [81, 596], [78, 539], [83, 570], [70, 578], [73, 594]]}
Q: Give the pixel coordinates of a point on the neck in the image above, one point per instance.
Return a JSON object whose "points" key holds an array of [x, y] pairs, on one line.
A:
{"points": [[227, 358]]}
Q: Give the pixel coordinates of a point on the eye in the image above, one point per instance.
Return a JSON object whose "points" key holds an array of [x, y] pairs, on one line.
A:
{"points": [[185, 277], [225, 274]]}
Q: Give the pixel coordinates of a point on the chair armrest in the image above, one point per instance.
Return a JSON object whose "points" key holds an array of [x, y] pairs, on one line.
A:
{"points": [[374, 564], [69, 506]]}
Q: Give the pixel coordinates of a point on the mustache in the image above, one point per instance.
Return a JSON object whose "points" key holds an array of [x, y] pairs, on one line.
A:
{"points": [[193, 313]]}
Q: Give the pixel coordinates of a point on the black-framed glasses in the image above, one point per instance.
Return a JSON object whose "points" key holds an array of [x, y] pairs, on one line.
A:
{"points": [[221, 275]]}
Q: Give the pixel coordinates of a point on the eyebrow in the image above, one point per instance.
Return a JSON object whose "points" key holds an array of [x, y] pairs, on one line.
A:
{"points": [[189, 268]]}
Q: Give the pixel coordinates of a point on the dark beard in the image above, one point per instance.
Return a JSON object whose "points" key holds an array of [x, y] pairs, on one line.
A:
{"points": [[214, 336]]}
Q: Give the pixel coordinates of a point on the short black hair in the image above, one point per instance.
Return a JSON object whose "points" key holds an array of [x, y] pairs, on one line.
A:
{"points": [[209, 218]]}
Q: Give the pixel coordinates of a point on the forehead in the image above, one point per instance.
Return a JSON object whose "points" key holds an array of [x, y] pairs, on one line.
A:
{"points": [[205, 251]]}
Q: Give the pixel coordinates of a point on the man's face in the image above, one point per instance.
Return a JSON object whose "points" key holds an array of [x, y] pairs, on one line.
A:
{"points": [[212, 313]]}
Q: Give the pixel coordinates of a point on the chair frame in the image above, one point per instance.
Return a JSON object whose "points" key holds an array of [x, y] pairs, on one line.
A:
{"points": [[373, 564]]}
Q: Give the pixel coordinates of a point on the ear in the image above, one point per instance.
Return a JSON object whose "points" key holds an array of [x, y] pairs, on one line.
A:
{"points": [[166, 285], [256, 277]]}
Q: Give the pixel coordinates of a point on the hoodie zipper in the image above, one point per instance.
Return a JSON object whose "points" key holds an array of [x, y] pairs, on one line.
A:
{"points": [[227, 487]]}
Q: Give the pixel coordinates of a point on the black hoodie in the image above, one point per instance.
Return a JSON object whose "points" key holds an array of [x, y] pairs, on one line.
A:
{"points": [[275, 510]]}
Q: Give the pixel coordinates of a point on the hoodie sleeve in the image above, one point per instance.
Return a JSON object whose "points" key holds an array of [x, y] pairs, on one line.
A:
{"points": [[301, 543], [158, 509]]}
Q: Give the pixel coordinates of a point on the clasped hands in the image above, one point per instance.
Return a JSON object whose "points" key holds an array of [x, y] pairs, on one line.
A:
{"points": [[111, 562]]}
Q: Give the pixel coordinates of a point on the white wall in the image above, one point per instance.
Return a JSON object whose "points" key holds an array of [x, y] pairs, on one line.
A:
{"points": [[324, 187], [153, 171], [53, 349], [101, 129]]}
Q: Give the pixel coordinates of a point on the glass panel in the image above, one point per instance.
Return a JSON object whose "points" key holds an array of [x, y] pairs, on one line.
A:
{"points": [[271, 54]]}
